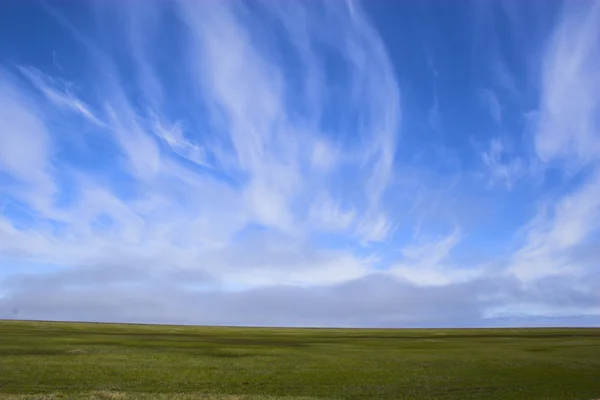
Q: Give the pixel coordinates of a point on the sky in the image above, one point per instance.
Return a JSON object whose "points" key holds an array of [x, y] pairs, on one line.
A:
{"points": [[301, 163]]}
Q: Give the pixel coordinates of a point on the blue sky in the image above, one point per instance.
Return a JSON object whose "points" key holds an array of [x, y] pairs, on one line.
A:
{"points": [[374, 163]]}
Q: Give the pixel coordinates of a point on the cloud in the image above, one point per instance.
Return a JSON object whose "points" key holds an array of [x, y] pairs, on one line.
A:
{"points": [[432, 252], [63, 97], [251, 88], [329, 215], [374, 300], [567, 225], [490, 101], [502, 166], [428, 263], [263, 156], [236, 163], [25, 148], [433, 117], [568, 116], [567, 135], [174, 137]]}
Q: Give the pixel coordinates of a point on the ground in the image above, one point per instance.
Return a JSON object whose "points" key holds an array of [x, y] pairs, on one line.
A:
{"points": [[47, 360]]}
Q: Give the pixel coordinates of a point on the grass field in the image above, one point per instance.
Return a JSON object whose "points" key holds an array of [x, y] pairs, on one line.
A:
{"points": [[46, 360]]}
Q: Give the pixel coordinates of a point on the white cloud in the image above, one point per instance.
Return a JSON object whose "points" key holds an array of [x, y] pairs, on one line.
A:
{"points": [[141, 30], [273, 260], [434, 251], [25, 146], [374, 228], [263, 126], [63, 96], [427, 262], [173, 135], [323, 155], [491, 103], [501, 164], [568, 135], [557, 232], [329, 215], [265, 158], [568, 126], [140, 150]]}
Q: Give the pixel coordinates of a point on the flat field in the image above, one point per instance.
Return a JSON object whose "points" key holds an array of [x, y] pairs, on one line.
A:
{"points": [[47, 360]]}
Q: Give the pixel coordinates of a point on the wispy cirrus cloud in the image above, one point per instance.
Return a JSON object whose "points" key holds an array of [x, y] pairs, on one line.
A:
{"points": [[25, 147], [59, 93], [568, 117], [490, 101], [502, 165], [567, 133], [264, 152], [427, 263]]}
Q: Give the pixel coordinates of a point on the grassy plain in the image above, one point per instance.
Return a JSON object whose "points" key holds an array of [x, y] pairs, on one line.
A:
{"points": [[48, 360]]}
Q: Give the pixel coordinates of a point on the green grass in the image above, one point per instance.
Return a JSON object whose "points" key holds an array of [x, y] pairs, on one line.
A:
{"points": [[46, 360]]}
